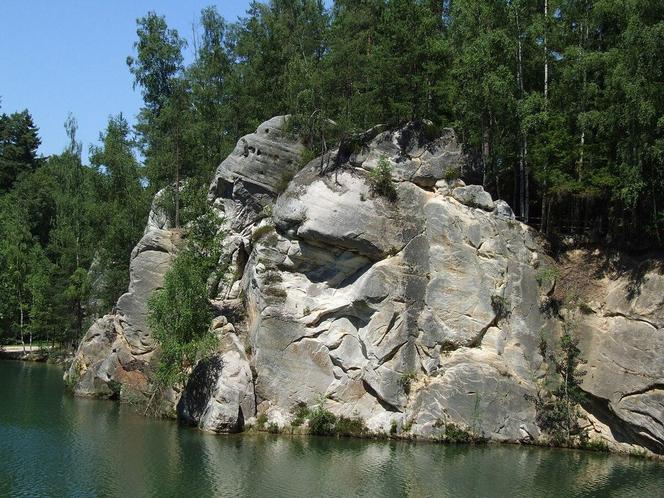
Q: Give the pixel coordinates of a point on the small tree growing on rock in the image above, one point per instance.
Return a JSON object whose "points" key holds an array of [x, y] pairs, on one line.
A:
{"points": [[558, 408], [380, 180], [179, 314]]}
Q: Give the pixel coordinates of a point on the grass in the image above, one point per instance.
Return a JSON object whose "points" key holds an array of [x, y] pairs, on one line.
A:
{"points": [[284, 181], [322, 422], [456, 434], [549, 275]]}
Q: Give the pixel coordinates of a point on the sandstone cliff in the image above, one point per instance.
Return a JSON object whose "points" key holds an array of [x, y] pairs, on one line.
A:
{"points": [[409, 313]]}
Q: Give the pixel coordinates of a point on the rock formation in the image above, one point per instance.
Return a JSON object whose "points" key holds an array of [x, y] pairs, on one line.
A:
{"points": [[410, 313]]}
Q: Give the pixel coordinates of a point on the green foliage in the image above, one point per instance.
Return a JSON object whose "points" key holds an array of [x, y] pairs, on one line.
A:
{"points": [[322, 422], [179, 314], [557, 405], [595, 445], [380, 180], [179, 317], [581, 151], [273, 428], [548, 275], [19, 141], [284, 181], [307, 156], [261, 421], [278, 293], [300, 413], [272, 277], [456, 434], [350, 427], [452, 174], [585, 308]]}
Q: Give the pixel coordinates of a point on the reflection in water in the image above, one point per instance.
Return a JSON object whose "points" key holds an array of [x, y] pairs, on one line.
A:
{"points": [[54, 445]]}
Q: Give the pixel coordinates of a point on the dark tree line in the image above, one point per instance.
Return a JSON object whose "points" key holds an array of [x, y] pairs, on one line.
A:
{"points": [[560, 103]]}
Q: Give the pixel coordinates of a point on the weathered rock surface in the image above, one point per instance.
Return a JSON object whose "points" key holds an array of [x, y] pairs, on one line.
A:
{"points": [[622, 336], [219, 393], [414, 314], [117, 350]]}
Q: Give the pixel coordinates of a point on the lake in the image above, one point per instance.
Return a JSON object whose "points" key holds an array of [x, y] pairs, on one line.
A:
{"points": [[54, 445]]}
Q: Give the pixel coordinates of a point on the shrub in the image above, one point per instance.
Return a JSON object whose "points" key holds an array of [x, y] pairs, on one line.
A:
{"points": [[452, 174], [594, 445], [301, 412], [557, 408], [276, 292], [501, 306], [350, 427], [322, 422], [380, 180], [261, 420], [179, 316], [273, 428], [549, 274], [456, 434]]}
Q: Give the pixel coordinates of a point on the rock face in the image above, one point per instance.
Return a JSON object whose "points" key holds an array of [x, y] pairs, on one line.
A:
{"points": [[219, 393], [622, 334], [117, 350], [410, 314]]}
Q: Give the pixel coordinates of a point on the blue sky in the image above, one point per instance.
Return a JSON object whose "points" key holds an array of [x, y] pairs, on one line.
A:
{"points": [[61, 56]]}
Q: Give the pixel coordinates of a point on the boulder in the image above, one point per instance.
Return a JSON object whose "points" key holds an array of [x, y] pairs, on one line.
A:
{"points": [[474, 196], [219, 395]]}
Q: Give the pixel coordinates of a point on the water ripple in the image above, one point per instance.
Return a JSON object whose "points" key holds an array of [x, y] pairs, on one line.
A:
{"points": [[54, 445]]}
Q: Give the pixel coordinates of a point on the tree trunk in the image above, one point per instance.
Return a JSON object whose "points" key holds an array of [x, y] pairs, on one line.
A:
{"points": [[20, 305], [485, 153], [523, 165], [546, 101], [177, 180]]}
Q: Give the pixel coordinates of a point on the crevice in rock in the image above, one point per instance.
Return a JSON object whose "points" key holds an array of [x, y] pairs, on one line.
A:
{"points": [[653, 387], [315, 335], [614, 314], [386, 406], [621, 430], [391, 353]]}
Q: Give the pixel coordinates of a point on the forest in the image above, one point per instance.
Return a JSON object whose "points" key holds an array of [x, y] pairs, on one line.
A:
{"points": [[559, 105]]}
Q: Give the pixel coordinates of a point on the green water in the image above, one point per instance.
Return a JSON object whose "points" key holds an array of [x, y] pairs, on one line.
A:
{"points": [[54, 445]]}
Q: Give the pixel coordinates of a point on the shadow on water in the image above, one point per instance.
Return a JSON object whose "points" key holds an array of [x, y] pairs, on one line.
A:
{"points": [[55, 445]]}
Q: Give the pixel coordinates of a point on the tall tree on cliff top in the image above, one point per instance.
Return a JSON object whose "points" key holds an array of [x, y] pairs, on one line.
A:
{"points": [[157, 68], [216, 114]]}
